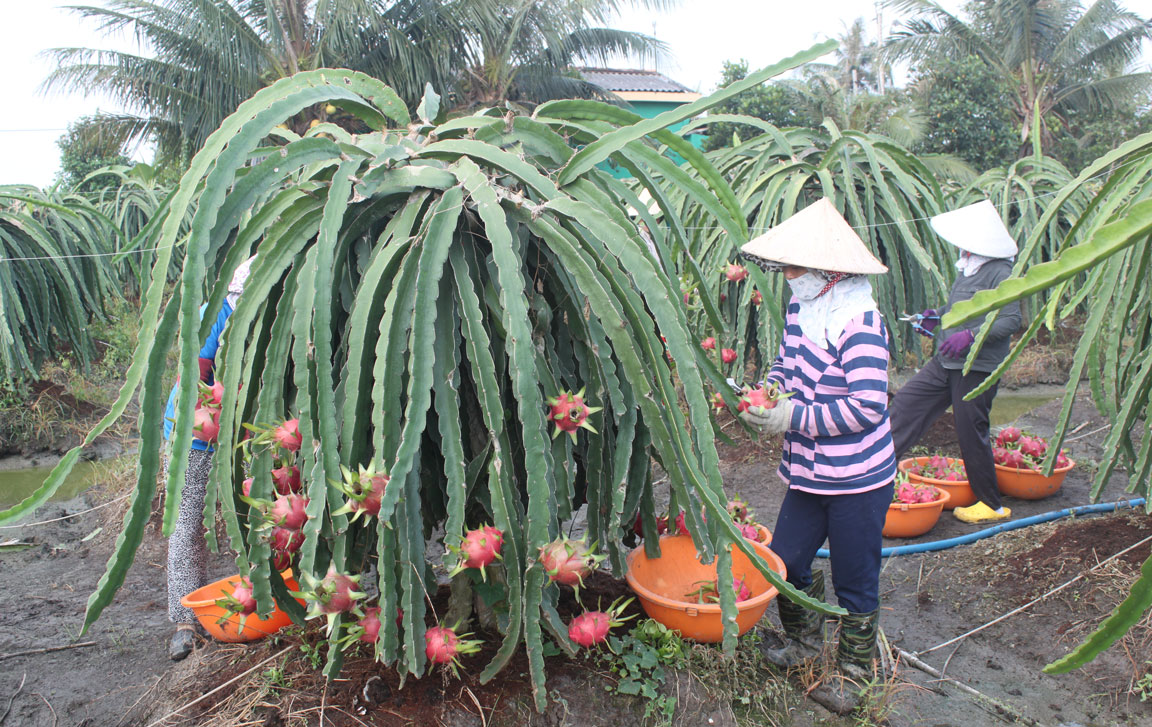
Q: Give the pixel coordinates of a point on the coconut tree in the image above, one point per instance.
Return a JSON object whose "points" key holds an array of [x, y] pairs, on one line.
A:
{"points": [[1056, 55], [200, 59], [524, 50]]}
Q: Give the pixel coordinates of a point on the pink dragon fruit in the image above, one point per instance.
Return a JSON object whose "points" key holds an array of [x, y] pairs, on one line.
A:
{"points": [[709, 343], [211, 396], [289, 511], [749, 531], [999, 454], [741, 589], [1034, 447], [330, 596], [286, 539], [365, 490], [735, 272], [738, 509], [287, 479], [443, 646], [591, 627], [661, 525], [478, 548], [718, 402], [370, 625], [281, 560], [568, 561], [757, 298], [244, 598], [206, 424], [1062, 460], [287, 435], [246, 487], [1015, 458], [1008, 435], [728, 355], [569, 412], [765, 397]]}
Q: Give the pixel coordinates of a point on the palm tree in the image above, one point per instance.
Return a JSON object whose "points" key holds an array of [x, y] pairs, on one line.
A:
{"points": [[201, 58], [859, 65], [525, 50], [1056, 55]]}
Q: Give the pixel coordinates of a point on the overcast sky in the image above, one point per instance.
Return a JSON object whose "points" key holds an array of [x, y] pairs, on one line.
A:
{"points": [[701, 34]]}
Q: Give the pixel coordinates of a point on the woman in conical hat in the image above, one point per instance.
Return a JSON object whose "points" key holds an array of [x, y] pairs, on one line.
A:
{"points": [[986, 253], [838, 461]]}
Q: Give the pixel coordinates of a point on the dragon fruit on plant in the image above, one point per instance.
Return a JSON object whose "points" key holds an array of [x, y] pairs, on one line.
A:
{"points": [[569, 413], [735, 272]]}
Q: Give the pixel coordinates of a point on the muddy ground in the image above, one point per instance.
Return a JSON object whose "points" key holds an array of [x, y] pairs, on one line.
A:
{"points": [[125, 678]]}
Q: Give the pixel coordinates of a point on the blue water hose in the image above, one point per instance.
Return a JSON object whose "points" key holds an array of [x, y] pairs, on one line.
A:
{"points": [[1001, 528]]}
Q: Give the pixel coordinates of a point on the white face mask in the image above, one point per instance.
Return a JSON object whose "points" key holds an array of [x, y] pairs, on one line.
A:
{"points": [[807, 286]]}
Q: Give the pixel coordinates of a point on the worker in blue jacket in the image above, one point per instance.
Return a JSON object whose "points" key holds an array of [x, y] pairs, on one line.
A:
{"points": [[187, 547]]}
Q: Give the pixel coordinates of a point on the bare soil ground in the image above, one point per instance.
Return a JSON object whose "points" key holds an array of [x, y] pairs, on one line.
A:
{"points": [[125, 678]]}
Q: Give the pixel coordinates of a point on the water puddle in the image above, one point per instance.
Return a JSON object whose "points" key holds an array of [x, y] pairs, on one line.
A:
{"points": [[1008, 406], [15, 485]]}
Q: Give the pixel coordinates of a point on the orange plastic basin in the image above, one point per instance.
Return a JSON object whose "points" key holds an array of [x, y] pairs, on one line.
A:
{"points": [[202, 601], [1030, 484], [662, 583], [960, 493], [910, 519], [765, 535]]}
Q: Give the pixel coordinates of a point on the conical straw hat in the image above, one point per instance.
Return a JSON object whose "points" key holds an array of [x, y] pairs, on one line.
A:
{"points": [[976, 228], [816, 237]]}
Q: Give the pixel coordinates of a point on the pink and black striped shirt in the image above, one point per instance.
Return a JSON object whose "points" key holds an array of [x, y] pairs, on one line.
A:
{"points": [[839, 441]]}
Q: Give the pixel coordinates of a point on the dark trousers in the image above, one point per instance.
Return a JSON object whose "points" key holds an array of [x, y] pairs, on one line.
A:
{"points": [[852, 525], [927, 395]]}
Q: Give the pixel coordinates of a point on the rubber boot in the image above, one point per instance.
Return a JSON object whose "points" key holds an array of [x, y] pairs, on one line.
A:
{"points": [[802, 630], [840, 693], [182, 642]]}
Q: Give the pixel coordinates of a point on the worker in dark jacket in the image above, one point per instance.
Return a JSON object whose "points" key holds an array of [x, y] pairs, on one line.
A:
{"points": [[987, 250]]}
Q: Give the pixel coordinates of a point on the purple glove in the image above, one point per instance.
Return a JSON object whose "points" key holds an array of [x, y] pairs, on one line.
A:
{"points": [[929, 319], [957, 344]]}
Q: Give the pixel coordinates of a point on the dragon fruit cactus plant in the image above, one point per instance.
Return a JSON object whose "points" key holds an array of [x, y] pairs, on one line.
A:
{"points": [[569, 413], [591, 627], [444, 647]]}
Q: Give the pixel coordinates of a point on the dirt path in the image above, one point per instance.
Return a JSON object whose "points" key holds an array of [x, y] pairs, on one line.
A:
{"points": [[126, 678]]}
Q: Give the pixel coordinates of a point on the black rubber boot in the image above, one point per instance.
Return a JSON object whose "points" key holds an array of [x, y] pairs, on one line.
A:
{"points": [[802, 630], [841, 691], [183, 641]]}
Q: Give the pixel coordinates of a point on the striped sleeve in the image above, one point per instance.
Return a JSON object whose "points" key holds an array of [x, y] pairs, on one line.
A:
{"points": [[776, 373], [863, 348]]}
